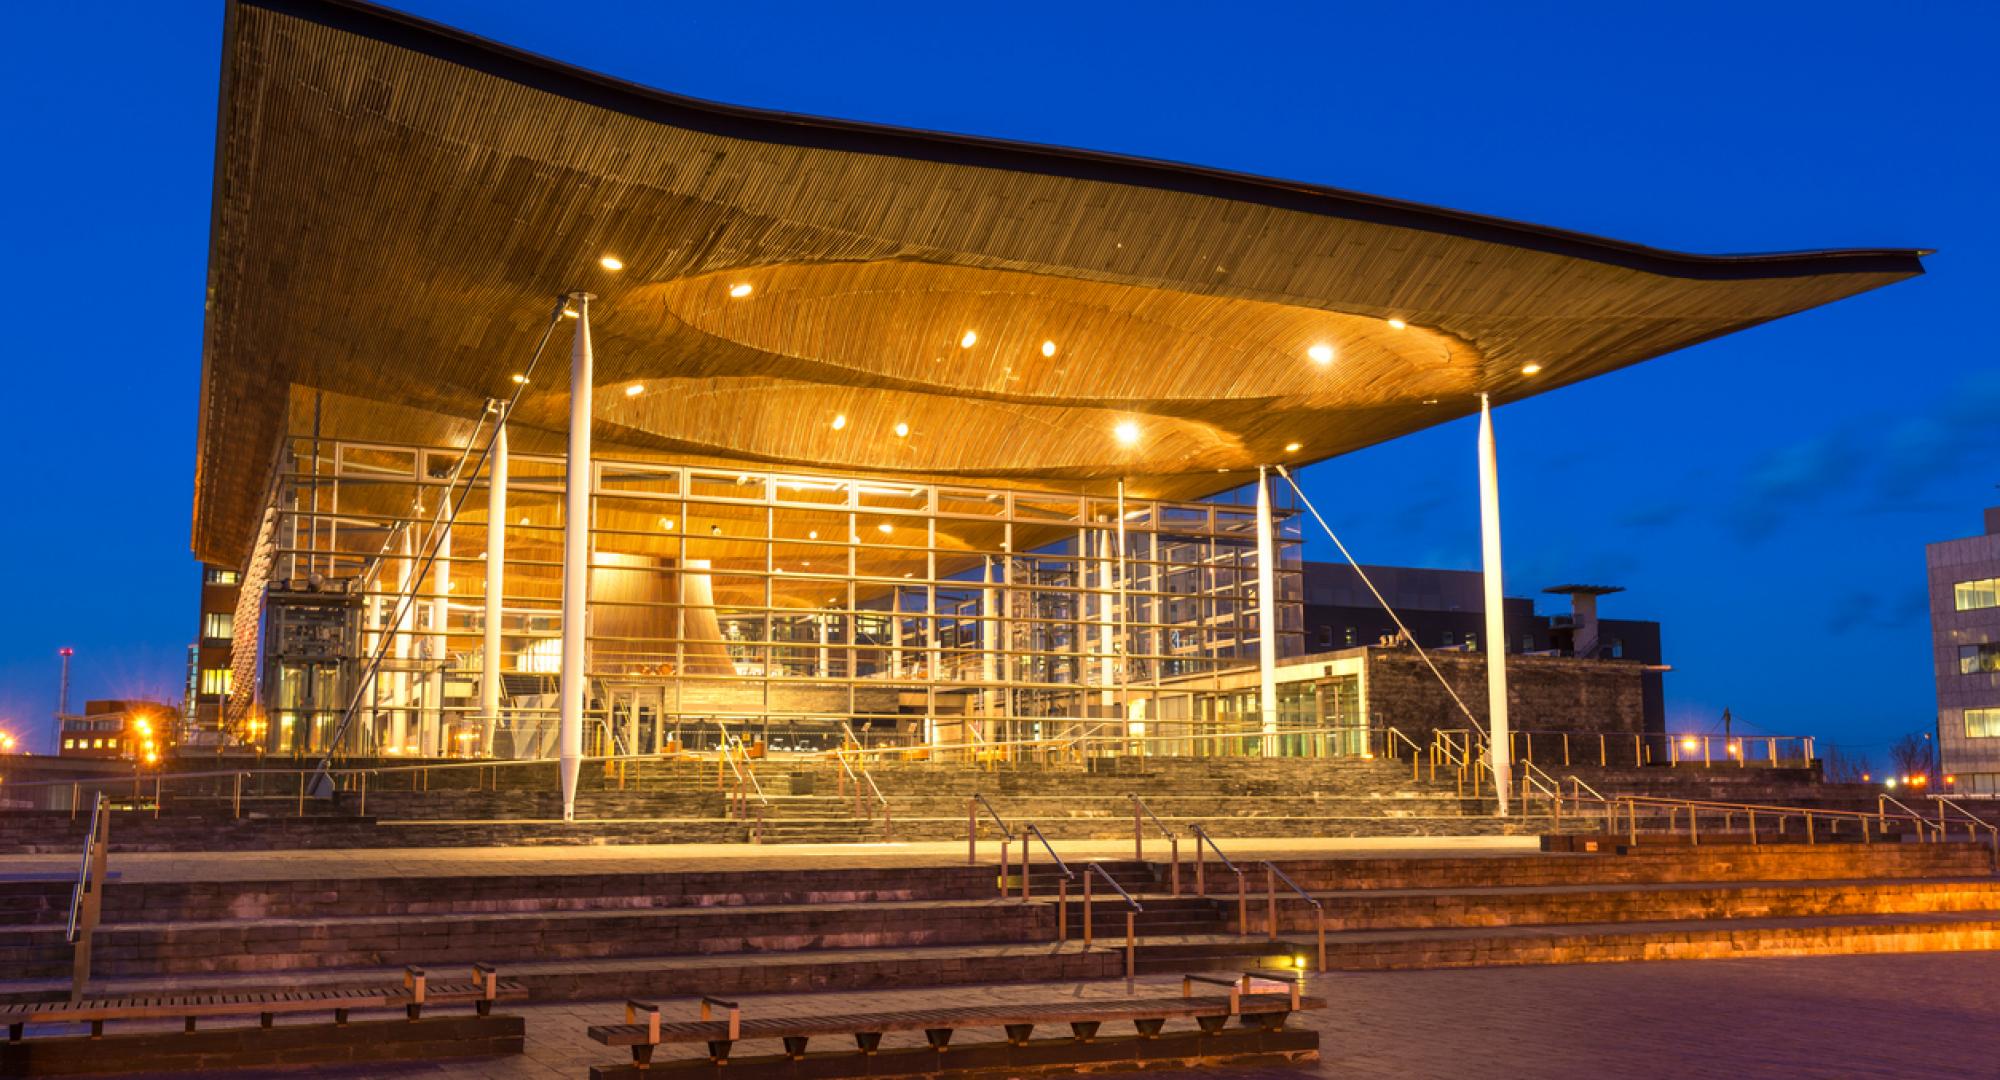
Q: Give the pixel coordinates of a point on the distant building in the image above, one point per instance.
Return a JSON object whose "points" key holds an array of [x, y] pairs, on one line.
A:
{"points": [[1446, 609], [211, 656], [1965, 634], [129, 730]]}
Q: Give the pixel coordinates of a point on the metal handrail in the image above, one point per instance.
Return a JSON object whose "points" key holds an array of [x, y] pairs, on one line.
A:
{"points": [[1923, 823], [862, 761], [1673, 806], [1148, 811], [1398, 734], [746, 772], [1109, 880], [998, 822], [1046, 846], [1290, 884], [86, 878], [1992, 830], [1199, 831]]}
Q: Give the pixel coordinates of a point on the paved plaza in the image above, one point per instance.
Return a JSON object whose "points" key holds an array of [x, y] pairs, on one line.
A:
{"points": [[1850, 1017]]}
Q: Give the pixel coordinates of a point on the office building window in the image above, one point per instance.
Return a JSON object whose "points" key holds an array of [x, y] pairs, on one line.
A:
{"points": [[216, 576], [1472, 643], [1326, 636], [1353, 636], [218, 624], [1527, 643], [217, 680], [1979, 659], [1974, 595], [1982, 723], [1447, 639], [1617, 649]]}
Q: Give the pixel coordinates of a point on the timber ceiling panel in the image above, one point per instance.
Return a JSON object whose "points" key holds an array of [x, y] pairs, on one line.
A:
{"points": [[398, 204]]}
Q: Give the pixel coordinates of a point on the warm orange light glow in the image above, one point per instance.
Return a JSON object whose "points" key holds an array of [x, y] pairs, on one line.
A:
{"points": [[740, 290], [839, 421], [1531, 369], [902, 430], [1397, 324], [611, 262], [634, 390], [1321, 354], [970, 339], [885, 528], [1690, 744], [519, 378], [1127, 432], [1048, 348], [1292, 447]]}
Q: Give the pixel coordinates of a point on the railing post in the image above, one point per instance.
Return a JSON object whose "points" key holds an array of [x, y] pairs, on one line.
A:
{"points": [[1753, 828], [1809, 828], [971, 832], [1086, 910], [1565, 749], [1200, 867], [1694, 830], [302, 794], [1004, 843], [1062, 909], [1271, 901], [1174, 875], [1603, 760], [1131, 947], [1242, 906], [1027, 859], [236, 798]]}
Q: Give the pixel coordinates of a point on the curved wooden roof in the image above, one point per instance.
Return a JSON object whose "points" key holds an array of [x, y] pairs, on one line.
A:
{"points": [[397, 204]]}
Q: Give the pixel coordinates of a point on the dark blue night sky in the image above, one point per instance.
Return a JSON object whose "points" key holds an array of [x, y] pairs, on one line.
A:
{"points": [[1766, 496]]}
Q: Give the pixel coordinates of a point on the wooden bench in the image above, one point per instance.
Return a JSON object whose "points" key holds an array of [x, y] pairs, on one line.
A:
{"points": [[416, 991], [646, 1027]]}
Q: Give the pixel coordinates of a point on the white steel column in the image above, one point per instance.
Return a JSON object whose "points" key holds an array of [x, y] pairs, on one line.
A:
{"points": [[496, 590], [576, 555], [1496, 615], [432, 737], [404, 607], [1267, 616], [1107, 629]]}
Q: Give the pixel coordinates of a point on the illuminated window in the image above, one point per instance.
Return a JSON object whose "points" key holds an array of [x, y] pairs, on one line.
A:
{"points": [[217, 680], [218, 624], [1472, 643], [217, 576], [1974, 595], [1352, 635], [1979, 659], [69, 744], [1982, 723]]}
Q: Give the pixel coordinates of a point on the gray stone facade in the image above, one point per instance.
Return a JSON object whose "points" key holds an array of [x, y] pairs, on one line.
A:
{"points": [[1973, 761]]}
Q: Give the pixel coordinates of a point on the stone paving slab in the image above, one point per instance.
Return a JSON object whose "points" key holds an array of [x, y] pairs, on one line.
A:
{"points": [[142, 866], [1921, 1017]]}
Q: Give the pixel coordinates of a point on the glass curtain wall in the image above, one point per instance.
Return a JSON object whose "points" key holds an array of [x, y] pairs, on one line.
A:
{"points": [[790, 609]]}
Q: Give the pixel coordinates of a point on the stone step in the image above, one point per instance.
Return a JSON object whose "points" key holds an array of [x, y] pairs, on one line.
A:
{"points": [[1381, 950], [741, 973]]}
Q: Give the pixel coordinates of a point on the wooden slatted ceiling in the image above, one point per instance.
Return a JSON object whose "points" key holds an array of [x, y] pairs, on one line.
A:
{"points": [[397, 205]]}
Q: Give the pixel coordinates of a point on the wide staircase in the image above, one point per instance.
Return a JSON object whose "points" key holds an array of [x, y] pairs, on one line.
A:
{"points": [[597, 931], [806, 799]]}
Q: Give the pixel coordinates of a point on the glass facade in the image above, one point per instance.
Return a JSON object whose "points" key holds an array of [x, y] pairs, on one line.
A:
{"points": [[1976, 595], [791, 608]]}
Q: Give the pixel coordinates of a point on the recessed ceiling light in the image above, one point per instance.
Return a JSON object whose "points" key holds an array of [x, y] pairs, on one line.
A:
{"points": [[902, 430], [520, 379], [740, 290], [1398, 324], [1127, 432], [839, 421], [969, 340], [805, 562], [611, 262], [1292, 447], [569, 313], [885, 528], [1321, 354], [1048, 348], [715, 530], [666, 523], [635, 390], [813, 534], [523, 521], [1531, 369]]}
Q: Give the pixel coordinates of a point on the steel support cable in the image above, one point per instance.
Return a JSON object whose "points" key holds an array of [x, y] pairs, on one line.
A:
{"points": [[322, 785], [1345, 554]]}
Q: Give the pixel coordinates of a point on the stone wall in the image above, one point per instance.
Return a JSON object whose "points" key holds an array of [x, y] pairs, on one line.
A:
{"points": [[1544, 693]]}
